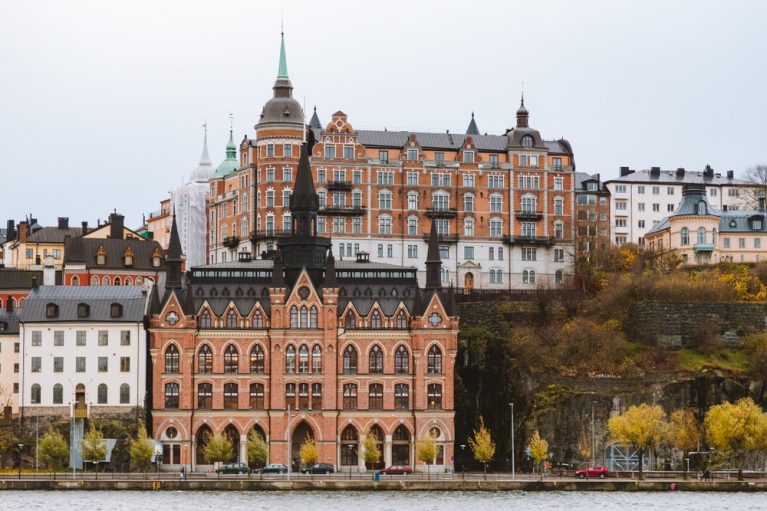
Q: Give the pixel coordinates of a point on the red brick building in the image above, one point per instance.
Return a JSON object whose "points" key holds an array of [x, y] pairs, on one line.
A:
{"points": [[300, 345]]}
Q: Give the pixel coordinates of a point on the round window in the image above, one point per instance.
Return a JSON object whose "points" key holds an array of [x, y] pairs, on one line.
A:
{"points": [[435, 432], [171, 432], [304, 293]]}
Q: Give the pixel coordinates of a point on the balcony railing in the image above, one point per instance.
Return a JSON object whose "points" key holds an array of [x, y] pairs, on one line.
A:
{"points": [[231, 241], [529, 240], [339, 186], [80, 412], [528, 214], [443, 238], [441, 213], [269, 233], [343, 210]]}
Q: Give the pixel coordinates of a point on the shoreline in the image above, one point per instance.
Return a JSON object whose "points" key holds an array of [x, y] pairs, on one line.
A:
{"points": [[256, 485]]}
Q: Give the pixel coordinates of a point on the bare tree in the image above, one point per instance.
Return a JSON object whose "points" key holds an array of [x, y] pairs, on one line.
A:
{"points": [[756, 176]]}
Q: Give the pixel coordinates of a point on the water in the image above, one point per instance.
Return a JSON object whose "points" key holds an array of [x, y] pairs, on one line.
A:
{"points": [[378, 501]]}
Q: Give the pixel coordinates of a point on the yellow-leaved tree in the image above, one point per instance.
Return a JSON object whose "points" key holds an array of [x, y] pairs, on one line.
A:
{"points": [[54, 450], [735, 429], [427, 451], [640, 426], [482, 445], [141, 450], [309, 453], [218, 450], [258, 451], [371, 453], [684, 433], [93, 448], [539, 450]]}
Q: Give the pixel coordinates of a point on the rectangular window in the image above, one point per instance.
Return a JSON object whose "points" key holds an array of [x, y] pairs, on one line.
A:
{"points": [[58, 364], [56, 253], [357, 177], [528, 229], [468, 156], [620, 188], [384, 225], [444, 252], [620, 206], [468, 252], [558, 182], [656, 190], [412, 251], [269, 150], [330, 152], [494, 160], [640, 190], [124, 364], [670, 190], [495, 181], [389, 251], [412, 154], [670, 208], [491, 253], [287, 174], [103, 338], [523, 160], [349, 153], [321, 175], [468, 203], [412, 178], [103, 364], [37, 338], [656, 207], [386, 178], [380, 250], [439, 157], [559, 255], [468, 180], [529, 254], [712, 192], [16, 367], [30, 254], [741, 242], [287, 150], [641, 224], [620, 222], [269, 175], [640, 206], [356, 226], [445, 179], [495, 228], [321, 227], [500, 253], [383, 156], [36, 364], [620, 240], [125, 338], [757, 243], [58, 338], [435, 179], [80, 364]]}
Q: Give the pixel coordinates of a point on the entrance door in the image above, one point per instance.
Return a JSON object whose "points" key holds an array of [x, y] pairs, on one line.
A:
{"points": [[468, 281], [300, 434]]}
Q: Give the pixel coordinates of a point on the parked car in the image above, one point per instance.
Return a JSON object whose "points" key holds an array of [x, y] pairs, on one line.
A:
{"points": [[397, 469], [274, 468], [320, 468], [595, 471], [233, 468]]}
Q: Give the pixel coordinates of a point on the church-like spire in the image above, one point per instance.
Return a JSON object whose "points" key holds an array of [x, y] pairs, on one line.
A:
{"points": [[522, 114], [304, 202], [231, 147], [174, 257], [315, 122], [433, 260], [205, 159], [330, 270], [472, 129], [282, 72]]}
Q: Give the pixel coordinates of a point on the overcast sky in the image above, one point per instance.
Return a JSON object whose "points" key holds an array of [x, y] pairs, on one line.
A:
{"points": [[102, 103]]}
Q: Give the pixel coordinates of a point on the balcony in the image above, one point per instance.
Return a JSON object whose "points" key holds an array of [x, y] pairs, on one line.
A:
{"points": [[339, 186], [231, 241], [443, 238], [441, 213], [703, 247], [344, 210], [529, 240], [528, 214], [269, 234], [80, 412]]}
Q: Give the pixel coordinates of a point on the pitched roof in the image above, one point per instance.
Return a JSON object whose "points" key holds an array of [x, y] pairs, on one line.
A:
{"points": [[99, 298], [472, 129], [53, 234], [13, 278], [84, 250], [304, 195], [11, 320], [672, 177]]}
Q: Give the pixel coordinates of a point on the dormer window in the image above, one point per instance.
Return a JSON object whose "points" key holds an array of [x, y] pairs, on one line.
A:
{"points": [[82, 310], [468, 156], [128, 257], [3, 326], [412, 154], [156, 258], [51, 310], [116, 310], [101, 257], [756, 224], [527, 141], [701, 208]]}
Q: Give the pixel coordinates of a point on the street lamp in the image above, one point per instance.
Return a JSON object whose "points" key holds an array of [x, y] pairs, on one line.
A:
{"points": [[351, 449], [513, 468], [20, 447], [463, 449], [592, 433]]}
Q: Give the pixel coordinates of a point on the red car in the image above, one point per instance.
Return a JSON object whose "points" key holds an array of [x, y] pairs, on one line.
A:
{"points": [[595, 471], [397, 469]]}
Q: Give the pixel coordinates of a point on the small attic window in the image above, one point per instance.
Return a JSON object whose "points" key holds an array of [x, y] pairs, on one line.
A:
{"points": [[756, 224], [527, 141], [156, 258], [82, 310], [733, 223], [128, 257], [101, 257], [701, 208], [51, 310], [3, 326], [116, 310]]}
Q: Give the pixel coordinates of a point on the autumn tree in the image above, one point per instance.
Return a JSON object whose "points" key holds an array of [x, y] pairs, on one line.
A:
{"points": [[218, 450], [93, 448], [539, 450], [640, 426], [309, 453], [748, 197], [371, 453], [482, 445], [53, 450], [684, 433], [427, 451], [736, 429], [141, 450], [258, 451]]}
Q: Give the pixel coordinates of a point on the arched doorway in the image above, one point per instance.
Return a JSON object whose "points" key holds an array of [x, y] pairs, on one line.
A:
{"points": [[379, 436], [259, 430], [234, 436], [80, 397], [400, 449], [349, 447], [468, 281], [201, 442], [299, 436]]}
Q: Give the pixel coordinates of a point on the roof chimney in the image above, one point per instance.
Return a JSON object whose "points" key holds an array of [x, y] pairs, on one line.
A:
{"points": [[761, 203], [680, 172], [63, 222], [708, 171], [655, 171], [730, 174], [34, 282], [22, 232], [116, 230], [49, 271], [625, 171], [10, 230], [85, 229]]}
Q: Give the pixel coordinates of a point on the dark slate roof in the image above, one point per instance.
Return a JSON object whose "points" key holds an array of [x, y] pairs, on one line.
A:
{"points": [[53, 234], [11, 320], [12, 278], [689, 205], [370, 138], [84, 250], [3, 235], [472, 129], [581, 178], [671, 177], [99, 298], [315, 121], [738, 221], [364, 296]]}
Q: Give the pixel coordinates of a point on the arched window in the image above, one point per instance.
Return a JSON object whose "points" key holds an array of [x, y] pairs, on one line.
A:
{"points": [[94, 281], [434, 395], [401, 360], [105, 281], [303, 396], [102, 394], [701, 234], [257, 396], [435, 360], [304, 318], [230, 396], [171, 359], [257, 360], [401, 396], [401, 319], [205, 395], [400, 449], [376, 360], [701, 208], [118, 282], [527, 141], [290, 395], [75, 280], [231, 359], [316, 359], [231, 319], [303, 359], [685, 235], [205, 360], [375, 319], [351, 320], [713, 237], [290, 359], [349, 446], [313, 317], [58, 394], [350, 396], [171, 395], [375, 396], [258, 319], [124, 394], [316, 396], [558, 277], [36, 394], [128, 281], [205, 319], [350, 360], [528, 277], [294, 317]]}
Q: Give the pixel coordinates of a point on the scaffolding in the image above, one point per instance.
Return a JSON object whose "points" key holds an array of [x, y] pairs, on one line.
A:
{"points": [[190, 202]]}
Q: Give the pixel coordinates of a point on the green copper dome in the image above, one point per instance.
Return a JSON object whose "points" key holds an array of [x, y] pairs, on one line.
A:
{"points": [[230, 164]]}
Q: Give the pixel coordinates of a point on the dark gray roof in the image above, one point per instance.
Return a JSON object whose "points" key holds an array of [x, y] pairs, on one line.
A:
{"points": [[13, 278], [99, 298], [671, 177], [690, 201], [11, 320], [738, 221], [53, 234], [581, 178], [84, 250], [268, 264], [370, 138]]}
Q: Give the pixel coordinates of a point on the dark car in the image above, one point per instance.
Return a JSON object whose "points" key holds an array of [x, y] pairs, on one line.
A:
{"points": [[319, 468], [595, 471], [274, 468], [233, 468], [397, 469]]}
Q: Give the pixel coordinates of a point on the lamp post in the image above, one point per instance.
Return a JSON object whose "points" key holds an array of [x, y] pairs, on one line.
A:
{"points": [[592, 432], [20, 447], [37, 438], [289, 459], [463, 449], [513, 468], [351, 448]]}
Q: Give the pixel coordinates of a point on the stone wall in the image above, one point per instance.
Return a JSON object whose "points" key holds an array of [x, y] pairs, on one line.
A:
{"points": [[675, 324]]}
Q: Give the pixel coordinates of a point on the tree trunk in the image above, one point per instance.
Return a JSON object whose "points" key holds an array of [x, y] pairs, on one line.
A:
{"points": [[684, 467], [485, 464], [428, 472], [640, 452], [540, 469]]}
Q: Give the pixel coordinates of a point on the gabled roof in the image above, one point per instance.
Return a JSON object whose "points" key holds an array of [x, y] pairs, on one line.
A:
{"points": [[673, 177], [98, 298], [11, 319], [13, 278], [53, 234], [84, 250]]}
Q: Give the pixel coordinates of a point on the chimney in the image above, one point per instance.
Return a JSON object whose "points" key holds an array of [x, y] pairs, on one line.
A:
{"points": [[730, 174], [9, 304], [22, 232], [708, 171], [34, 282], [599, 181], [655, 171], [10, 230], [680, 172], [63, 222], [724, 207], [49, 271], [85, 229], [761, 203], [116, 230], [625, 171]]}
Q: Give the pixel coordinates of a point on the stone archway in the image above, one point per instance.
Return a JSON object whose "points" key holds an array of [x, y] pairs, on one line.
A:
{"points": [[299, 436], [401, 446], [234, 436], [201, 442], [379, 436]]}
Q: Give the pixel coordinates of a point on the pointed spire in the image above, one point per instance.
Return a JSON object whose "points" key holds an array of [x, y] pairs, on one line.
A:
{"points": [[282, 72], [173, 257], [472, 129], [205, 159], [304, 194], [278, 278], [315, 122], [174, 245], [231, 147], [433, 260], [522, 114], [330, 270]]}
